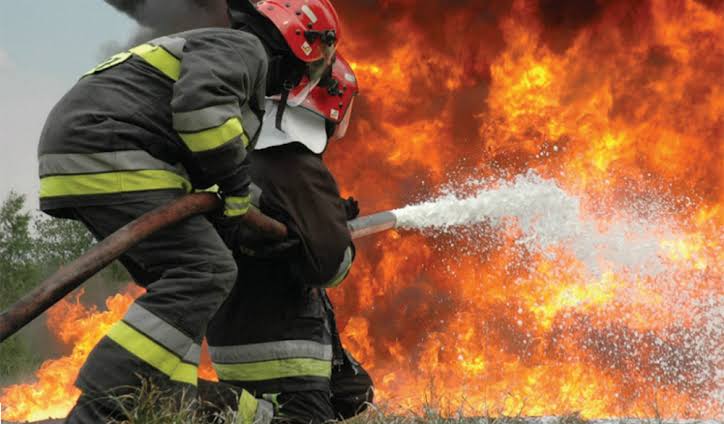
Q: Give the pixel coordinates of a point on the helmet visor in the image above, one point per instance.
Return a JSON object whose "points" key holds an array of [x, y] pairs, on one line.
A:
{"points": [[341, 128], [315, 71]]}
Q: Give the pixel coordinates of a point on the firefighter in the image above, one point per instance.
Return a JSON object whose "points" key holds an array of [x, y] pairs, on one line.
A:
{"points": [[276, 336], [147, 126]]}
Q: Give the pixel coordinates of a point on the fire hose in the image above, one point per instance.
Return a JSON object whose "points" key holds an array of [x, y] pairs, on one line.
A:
{"points": [[69, 277]]}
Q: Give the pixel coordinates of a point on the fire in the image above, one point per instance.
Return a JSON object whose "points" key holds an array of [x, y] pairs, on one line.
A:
{"points": [[79, 327], [206, 370], [52, 393], [622, 104]]}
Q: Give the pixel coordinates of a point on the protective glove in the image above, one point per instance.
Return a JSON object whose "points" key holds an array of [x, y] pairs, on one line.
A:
{"points": [[247, 241], [351, 208], [271, 250]]}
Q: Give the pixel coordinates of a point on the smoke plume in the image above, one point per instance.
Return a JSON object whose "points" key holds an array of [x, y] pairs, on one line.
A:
{"points": [[161, 17]]}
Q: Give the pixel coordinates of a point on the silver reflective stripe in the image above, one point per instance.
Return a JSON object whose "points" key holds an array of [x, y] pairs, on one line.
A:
{"points": [[252, 125], [193, 355], [161, 332], [173, 45], [234, 202], [202, 119], [264, 412], [259, 352], [93, 163], [343, 269]]}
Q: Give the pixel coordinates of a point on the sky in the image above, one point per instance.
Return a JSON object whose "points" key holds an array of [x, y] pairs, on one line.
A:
{"points": [[45, 45]]}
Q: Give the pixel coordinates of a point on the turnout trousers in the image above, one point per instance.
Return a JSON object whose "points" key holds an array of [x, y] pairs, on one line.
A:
{"points": [[187, 272], [349, 394], [280, 343]]}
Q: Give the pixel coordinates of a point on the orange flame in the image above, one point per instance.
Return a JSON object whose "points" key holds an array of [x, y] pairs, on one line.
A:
{"points": [[621, 103], [53, 394]]}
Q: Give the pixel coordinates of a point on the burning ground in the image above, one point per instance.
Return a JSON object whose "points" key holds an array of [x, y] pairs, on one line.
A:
{"points": [[622, 105]]}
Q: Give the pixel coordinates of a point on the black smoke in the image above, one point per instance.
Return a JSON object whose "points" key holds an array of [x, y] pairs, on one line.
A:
{"points": [[161, 17]]}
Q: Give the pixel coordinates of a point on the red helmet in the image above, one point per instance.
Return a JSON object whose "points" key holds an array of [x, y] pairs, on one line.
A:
{"points": [[311, 29], [334, 97]]}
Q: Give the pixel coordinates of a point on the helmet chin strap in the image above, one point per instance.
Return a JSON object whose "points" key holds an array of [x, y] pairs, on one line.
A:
{"points": [[291, 73], [282, 106]]}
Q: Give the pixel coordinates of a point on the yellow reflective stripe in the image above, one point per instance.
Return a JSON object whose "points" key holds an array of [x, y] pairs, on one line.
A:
{"points": [[213, 189], [110, 62], [156, 56], [344, 268], [236, 206], [338, 281], [269, 370], [160, 59], [111, 182], [215, 137], [152, 353], [247, 408]]}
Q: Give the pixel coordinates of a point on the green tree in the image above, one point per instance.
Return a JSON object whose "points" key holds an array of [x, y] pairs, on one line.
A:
{"points": [[18, 273], [18, 270], [60, 241]]}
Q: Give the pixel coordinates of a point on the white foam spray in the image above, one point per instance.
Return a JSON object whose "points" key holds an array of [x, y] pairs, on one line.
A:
{"points": [[548, 217]]}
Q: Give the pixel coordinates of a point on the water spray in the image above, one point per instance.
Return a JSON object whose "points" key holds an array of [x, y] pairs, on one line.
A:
{"points": [[546, 215]]}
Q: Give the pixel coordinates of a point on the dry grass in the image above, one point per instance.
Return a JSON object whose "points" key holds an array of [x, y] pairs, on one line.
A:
{"points": [[430, 415], [151, 405]]}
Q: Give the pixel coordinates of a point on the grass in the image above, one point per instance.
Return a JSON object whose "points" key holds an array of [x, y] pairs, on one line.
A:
{"points": [[431, 415], [150, 405]]}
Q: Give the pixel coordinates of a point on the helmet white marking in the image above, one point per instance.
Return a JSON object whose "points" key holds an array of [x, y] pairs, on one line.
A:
{"points": [[310, 14]]}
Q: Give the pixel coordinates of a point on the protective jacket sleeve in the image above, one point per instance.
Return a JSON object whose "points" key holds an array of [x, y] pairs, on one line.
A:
{"points": [[219, 75], [298, 190]]}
